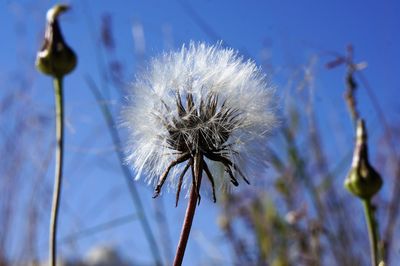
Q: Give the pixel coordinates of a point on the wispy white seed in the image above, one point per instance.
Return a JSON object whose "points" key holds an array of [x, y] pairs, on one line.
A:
{"points": [[201, 71]]}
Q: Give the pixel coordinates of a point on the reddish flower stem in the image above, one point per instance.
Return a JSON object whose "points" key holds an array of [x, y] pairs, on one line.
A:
{"points": [[190, 210]]}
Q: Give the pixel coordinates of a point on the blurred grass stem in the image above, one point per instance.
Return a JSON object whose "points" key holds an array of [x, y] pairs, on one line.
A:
{"points": [[58, 92], [155, 251]]}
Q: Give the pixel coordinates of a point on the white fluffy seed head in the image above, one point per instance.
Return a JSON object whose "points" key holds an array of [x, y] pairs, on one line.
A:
{"points": [[158, 131]]}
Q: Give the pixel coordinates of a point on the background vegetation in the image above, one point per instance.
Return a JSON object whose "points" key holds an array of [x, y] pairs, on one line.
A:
{"points": [[296, 213]]}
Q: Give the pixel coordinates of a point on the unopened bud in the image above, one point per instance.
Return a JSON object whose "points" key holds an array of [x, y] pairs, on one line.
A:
{"points": [[55, 58], [362, 181]]}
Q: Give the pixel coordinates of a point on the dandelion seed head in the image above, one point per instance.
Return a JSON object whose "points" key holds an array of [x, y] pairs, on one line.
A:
{"points": [[201, 98]]}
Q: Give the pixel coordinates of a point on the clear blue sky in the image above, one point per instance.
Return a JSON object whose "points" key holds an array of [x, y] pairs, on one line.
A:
{"points": [[282, 34]]}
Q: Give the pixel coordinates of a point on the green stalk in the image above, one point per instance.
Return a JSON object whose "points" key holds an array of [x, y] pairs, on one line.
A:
{"points": [[58, 92], [373, 236]]}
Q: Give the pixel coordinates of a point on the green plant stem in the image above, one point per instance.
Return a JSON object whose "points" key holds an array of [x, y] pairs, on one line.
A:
{"points": [[190, 210], [373, 236], [58, 93]]}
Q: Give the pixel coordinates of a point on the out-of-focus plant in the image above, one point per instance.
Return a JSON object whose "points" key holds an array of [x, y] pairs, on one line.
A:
{"points": [[363, 181], [110, 70], [310, 220], [19, 157], [56, 59]]}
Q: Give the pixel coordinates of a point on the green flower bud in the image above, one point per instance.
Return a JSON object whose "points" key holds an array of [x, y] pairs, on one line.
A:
{"points": [[362, 181], [55, 58]]}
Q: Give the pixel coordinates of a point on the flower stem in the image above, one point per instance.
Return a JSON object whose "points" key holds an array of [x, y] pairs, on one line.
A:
{"points": [[58, 92], [191, 208], [373, 237]]}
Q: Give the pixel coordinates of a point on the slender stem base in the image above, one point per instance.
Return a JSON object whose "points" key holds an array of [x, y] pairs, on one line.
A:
{"points": [[58, 92], [373, 237], [191, 208]]}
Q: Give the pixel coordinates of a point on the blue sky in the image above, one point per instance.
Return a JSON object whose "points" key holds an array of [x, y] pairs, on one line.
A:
{"points": [[281, 36]]}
